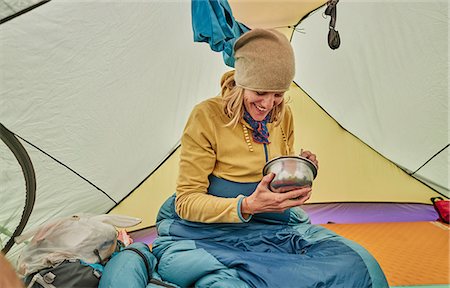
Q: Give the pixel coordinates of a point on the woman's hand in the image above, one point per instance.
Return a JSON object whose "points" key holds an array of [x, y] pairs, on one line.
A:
{"points": [[310, 156], [264, 200]]}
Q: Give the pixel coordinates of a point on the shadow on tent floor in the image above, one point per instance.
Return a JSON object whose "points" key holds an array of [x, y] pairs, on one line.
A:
{"points": [[412, 254]]}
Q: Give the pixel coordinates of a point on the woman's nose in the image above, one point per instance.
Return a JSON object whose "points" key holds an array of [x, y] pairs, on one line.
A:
{"points": [[269, 100]]}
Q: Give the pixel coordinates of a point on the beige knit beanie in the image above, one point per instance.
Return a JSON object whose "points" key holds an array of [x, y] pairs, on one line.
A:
{"points": [[264, 61]]}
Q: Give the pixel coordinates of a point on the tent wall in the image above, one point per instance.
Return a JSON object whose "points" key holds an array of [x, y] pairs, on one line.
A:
{"points": [[145, 201], [100, 91], [387, 83], [350, 171], [9, 8]]}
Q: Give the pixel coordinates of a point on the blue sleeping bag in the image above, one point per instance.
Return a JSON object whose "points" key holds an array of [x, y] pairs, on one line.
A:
{"points": [[272, 250]]}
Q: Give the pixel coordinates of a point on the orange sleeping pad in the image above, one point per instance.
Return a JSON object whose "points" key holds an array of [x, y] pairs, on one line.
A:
{"points": [[410, 253]]}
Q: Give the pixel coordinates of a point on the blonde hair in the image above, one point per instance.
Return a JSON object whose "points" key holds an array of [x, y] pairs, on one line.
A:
{"points": [[233, 99]]}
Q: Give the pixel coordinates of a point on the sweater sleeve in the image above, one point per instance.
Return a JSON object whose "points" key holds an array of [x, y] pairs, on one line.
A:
{"points": [[197, 161]]}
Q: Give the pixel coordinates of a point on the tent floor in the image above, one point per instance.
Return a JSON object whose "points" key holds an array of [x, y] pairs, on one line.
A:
{"points": [[411, 254]]}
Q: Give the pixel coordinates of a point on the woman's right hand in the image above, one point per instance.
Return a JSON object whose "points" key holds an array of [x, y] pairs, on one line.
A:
{"points": [[263, 200]]}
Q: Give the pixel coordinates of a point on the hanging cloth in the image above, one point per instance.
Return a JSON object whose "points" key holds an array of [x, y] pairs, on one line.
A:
{"points": [[213, 22]]}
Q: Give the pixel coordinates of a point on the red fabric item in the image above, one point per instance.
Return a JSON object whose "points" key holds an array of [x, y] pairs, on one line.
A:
{"points": [[442, 207]]}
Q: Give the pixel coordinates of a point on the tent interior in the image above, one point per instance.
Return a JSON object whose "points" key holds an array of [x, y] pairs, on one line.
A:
{"points": [[95, 95]]}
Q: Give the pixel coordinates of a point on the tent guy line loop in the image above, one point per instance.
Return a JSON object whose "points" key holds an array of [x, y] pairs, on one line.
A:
{"points": [[61, 163], [437, 153], [299, 30], [293, 27]]}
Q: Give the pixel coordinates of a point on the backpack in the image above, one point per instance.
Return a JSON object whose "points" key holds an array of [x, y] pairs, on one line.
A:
{"points": [[70, 251], [68, 274]]}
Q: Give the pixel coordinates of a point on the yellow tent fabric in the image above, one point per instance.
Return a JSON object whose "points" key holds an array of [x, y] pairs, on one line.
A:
{"points": [[367, 177]]}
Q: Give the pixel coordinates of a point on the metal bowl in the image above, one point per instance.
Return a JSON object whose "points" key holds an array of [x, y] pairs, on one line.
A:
{"points": [[291, 172]]}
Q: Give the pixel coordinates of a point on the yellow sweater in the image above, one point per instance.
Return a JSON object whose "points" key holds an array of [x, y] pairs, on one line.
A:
{"points": [[208, 147]]}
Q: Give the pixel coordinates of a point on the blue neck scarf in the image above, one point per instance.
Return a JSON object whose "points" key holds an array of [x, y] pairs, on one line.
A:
{"points": [[260, 132]]}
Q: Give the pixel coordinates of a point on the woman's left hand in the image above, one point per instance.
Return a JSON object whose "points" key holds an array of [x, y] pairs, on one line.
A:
{"points": [[310, 156]]}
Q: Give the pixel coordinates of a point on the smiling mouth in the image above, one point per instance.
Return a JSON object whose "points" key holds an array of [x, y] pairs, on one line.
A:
{"points": [[259, 108]]}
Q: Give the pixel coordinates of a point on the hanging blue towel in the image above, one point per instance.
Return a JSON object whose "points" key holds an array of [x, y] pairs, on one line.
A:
{"points": [[213, 22]]}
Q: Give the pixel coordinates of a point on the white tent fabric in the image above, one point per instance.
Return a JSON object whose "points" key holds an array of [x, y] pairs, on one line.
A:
{"points": [[108, 99], [387, 83], [11, 7]]}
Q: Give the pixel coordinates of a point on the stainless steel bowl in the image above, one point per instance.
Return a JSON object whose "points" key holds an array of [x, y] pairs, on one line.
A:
{"points": [[291, 172]]}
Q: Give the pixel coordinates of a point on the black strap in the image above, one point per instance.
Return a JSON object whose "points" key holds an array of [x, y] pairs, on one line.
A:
{"points": [[147, 266], [160, 283]]}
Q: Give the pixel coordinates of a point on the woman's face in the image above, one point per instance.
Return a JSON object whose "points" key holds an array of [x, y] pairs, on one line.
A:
{"points": [[259, 103]]}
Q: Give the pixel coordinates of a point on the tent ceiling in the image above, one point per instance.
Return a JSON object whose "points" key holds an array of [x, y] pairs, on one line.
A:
{"points": [[272, 13]]}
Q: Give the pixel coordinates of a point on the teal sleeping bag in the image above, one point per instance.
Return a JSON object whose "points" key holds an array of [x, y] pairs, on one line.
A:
{"points": [[271, 250], [128, 269]]}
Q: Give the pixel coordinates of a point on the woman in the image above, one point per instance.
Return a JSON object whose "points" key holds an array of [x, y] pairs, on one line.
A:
{"points": [[224, 227]]}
